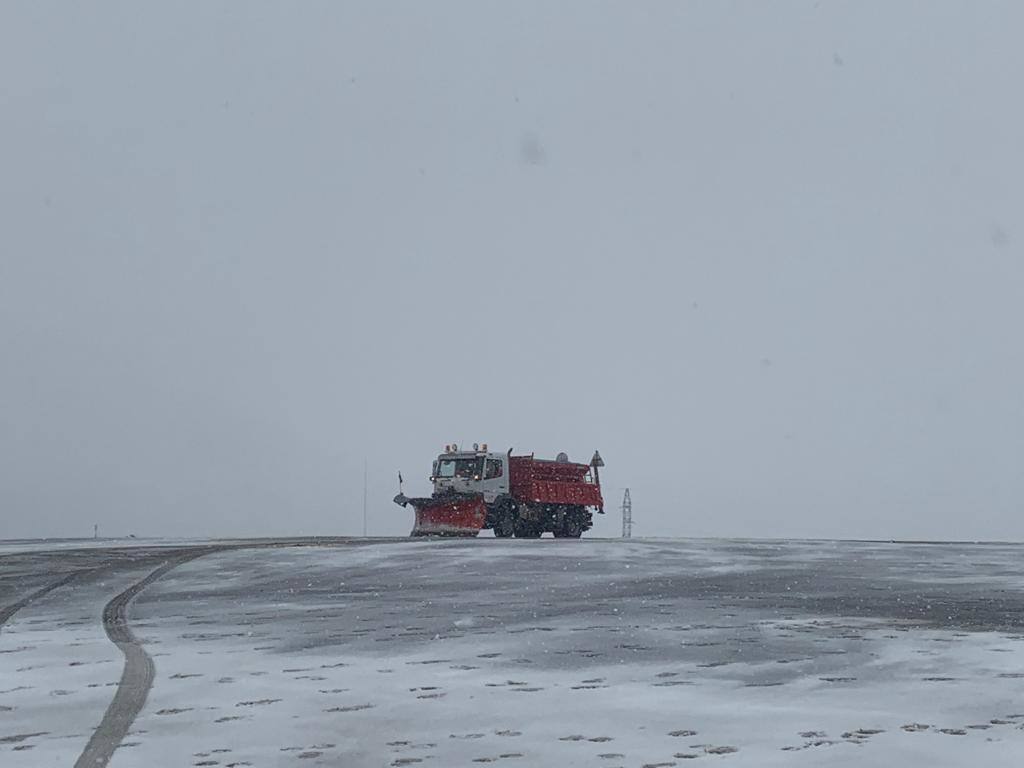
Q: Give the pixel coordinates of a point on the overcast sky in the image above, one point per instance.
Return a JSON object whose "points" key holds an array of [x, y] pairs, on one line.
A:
{"points": [[767, 257]]}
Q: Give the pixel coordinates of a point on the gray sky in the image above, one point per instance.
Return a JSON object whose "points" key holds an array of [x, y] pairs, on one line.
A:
{"points": [[767, 257]]}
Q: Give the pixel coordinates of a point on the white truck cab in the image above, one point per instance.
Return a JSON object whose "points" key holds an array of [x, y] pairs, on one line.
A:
{"points": [[475, 471]]}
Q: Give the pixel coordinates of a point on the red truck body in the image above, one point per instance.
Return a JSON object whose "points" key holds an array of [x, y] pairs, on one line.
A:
{"points": [[552, 482]]}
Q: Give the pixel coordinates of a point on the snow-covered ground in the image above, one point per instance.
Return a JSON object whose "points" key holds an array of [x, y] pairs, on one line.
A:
{"points": [[58, 671], [18, 546], [547, 652]]}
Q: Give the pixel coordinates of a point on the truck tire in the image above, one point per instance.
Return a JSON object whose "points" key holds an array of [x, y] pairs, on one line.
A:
{"points": [[503, 526], [527, 530], [501, 518], [571, 528], [573, 523]]}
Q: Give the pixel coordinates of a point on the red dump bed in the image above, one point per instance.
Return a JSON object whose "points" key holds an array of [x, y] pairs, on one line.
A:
{"points": [[552, 482]]}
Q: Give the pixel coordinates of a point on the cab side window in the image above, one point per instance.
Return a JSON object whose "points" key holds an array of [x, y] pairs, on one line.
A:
{"points": [[493, 469]]}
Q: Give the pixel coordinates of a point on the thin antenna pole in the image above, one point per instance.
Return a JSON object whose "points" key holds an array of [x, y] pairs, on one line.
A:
{"points": [[627, 515], [364, 496]]}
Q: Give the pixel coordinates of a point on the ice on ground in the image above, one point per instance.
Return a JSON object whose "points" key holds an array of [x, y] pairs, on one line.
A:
{"points": [[58, 672], [580, 653], [458, 654]]}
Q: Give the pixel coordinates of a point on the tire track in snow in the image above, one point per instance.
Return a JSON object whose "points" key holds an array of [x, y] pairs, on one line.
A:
{"points": [[13, 608], [138, 673]]}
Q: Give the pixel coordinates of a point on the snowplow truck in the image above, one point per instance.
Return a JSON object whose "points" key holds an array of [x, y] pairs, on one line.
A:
{"points": [[518, 496]]}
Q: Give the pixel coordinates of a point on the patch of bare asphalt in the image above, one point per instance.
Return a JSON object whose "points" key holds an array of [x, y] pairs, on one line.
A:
{"points": [[257, 703], [722, 750], [351, 708], [20, 737]]}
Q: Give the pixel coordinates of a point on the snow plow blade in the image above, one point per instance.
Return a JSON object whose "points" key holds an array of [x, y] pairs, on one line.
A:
{"points": [[462, 515]]}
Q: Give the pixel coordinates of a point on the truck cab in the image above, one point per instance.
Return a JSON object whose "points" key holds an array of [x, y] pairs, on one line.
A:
{"points": [[475, 471]]}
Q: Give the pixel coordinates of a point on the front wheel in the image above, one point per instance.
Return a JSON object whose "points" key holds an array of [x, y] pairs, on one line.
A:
{"points": [[527, 531], [503, 527]]}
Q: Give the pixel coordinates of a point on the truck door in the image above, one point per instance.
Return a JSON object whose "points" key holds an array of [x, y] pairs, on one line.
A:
{"points": [[495, 482]]}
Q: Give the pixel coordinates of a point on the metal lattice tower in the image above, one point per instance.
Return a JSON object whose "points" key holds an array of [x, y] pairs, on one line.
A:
{"points": [[627, 515]]}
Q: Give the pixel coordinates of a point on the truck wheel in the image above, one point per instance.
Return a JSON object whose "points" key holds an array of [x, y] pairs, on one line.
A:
{"points": [[571, 528], [503, 527], [527, 531]]}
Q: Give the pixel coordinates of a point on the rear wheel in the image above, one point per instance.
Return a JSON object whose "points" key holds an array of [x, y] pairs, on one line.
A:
{"points": [[574, 522], [527, 530], [572, 528]]}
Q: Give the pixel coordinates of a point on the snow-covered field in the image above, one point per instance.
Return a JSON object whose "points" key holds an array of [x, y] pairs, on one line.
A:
{"points": [[550, 652]]}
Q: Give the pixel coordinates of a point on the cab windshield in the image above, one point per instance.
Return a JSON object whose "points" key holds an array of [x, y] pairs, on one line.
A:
{"points": [[467, 468]]}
